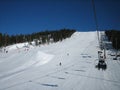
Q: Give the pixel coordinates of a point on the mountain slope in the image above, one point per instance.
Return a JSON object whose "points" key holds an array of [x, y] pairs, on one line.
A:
{"points": [[39, 69]]}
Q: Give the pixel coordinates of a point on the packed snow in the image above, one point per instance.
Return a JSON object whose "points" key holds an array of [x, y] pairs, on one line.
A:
{"points": [[66, 65]]}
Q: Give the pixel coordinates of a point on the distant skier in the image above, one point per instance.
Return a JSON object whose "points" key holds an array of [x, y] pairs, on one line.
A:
{"points": [[4, 50], [60, 63], [67, 54]]}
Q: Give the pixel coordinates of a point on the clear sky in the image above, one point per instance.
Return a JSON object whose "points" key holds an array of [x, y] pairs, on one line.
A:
{"points": [[28, 16]]}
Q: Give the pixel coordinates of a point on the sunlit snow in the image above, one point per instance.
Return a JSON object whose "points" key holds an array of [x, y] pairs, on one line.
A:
{"points": [[26, 67]]}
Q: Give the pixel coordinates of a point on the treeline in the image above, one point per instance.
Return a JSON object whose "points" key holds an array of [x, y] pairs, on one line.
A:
{"points": [[114, 37], [39, 37]]}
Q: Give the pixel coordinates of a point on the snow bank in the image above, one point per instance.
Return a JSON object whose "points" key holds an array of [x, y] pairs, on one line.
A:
{"points": [[17, 46], [43, 58], [39, 58], [26, 62]]}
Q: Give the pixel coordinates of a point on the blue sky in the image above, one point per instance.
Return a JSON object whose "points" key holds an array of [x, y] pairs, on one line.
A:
{"points": [[28, 16]]}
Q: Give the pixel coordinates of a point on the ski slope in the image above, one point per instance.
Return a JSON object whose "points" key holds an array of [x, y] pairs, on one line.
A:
{"points": [[38, 68]]}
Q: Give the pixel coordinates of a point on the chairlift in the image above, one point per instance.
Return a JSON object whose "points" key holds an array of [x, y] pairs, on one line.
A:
{"points": [[101, 65], [115, 58], [99, 51]]}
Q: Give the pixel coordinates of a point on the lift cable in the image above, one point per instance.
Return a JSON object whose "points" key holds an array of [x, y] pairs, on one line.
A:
{"points": [[96, 22]]}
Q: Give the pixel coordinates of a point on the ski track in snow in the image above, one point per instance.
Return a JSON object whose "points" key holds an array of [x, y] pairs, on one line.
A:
{"points": [[40, 59]]}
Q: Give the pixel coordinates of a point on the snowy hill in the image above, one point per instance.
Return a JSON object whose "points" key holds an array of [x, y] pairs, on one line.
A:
{"points": [[39, 67]]}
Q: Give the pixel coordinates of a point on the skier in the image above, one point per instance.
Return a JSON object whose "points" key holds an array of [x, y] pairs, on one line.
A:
{"points": [[4, 50], [60, 63], [67, 54]]}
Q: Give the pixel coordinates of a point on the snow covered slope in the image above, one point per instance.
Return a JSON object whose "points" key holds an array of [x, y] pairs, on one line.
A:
{"points": [[38, 68]]}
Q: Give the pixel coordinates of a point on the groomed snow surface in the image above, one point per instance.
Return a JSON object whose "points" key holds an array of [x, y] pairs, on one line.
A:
{"points": [[38, 68]]}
